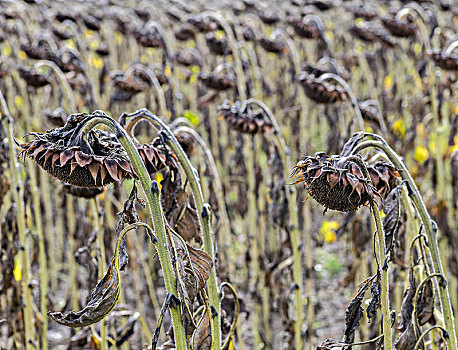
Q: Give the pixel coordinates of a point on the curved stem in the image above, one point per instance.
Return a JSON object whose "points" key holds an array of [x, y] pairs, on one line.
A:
{"points": [[62, 78], [235, 51], [152, 192], [417, 344], [202, 208], [431, 232], [450, 48], [347, 88], [157, 86], [415, 300]]}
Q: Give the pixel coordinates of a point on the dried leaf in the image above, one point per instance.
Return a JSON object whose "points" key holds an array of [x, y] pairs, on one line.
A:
{"points": [[374, 303], [202, 339], [425, 304], [392, 209], [103, 299], [355, 311], [351, 144]]}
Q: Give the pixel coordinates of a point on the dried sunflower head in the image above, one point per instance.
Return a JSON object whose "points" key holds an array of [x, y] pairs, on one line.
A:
{"points": [[218, 46], [400, 29], [245, 121], [367, 14], [273, 44], [33, 78], [444, 60], [304, 29], [95, 161], [321, 91], [185, 32], [338, 184], [217, 82]]}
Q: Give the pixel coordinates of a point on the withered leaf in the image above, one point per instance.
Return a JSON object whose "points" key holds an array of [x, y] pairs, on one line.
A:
{"points": [[407, 303], [103, 299], [329, 344], [105, 295], [425, 304], [351, 144], [406, 340], [374, 303], [392, 209], [355, 311], [202, 339]]}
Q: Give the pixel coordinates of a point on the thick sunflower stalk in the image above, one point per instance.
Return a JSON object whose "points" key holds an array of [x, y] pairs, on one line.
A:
{"points": [[79, 172]]}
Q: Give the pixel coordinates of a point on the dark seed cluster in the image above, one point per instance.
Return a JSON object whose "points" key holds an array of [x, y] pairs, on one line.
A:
{"points": [[244, 121], [338, 184], [95, 162], [321, 91]]}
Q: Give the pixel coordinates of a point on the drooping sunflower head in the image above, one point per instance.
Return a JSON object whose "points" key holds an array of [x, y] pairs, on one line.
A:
{"points": [[244, 120], [337, 183], [94, 161]]}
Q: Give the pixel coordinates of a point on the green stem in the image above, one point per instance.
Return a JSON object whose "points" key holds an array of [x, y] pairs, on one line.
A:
{"points": [[202, 208], [152, 192], [24, 253], [431, 232]]}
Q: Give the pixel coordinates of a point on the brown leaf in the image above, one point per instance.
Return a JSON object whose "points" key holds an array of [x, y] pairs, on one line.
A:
{"points": [[202, 339], [103, 299]]}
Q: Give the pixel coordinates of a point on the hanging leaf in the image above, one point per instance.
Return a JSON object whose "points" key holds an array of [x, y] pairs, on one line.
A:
{"points": [[374, 303], [407, 302], [105, 295], [180, 214], [406, 340], [351, 144], [103, 299], [355, 311], [425, 304], [202, 339], [392, 209]]}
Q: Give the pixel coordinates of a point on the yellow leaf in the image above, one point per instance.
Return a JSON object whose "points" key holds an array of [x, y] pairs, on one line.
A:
{"points": [[21, 55], [70, 43], [328, 231], [6, 51], [359, 21], [168, 71], [421, 154], [388, 82], [159, 178], [18, 101], [97, 62], [195, 69], [93, 45], [399, 127], [193, 79], [144, 58], [219, 34], [88, 33], [17, 271], [329, 35], [417, 48], [192, 117]]}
